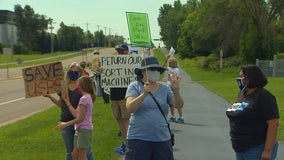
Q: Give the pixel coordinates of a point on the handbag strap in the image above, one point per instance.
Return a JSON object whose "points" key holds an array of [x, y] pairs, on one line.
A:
{"points": [[161, 111]]}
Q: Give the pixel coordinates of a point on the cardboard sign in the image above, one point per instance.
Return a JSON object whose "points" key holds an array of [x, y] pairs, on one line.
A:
{"points": [[139, 29], [43, 78], [118, 70]]}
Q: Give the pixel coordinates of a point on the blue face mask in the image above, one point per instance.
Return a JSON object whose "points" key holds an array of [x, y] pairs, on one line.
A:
{"points": [[240, 82], [73, 75]]}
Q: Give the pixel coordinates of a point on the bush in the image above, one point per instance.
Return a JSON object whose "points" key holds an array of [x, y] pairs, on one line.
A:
{"points": [[20, 49], [212, 62], [280, 55]]}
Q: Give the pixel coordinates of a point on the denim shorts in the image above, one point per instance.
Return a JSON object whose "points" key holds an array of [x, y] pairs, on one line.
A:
{"points": [[82, 138], [144, 150], [255, 153]]}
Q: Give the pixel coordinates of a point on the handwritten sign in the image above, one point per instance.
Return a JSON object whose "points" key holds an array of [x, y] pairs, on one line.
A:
{"points": [[118, 70], [41, 78], [139, 29]]}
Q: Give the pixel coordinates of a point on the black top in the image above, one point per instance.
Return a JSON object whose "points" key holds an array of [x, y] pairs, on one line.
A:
{"points": [[117, 93], [248, 127], [74, 97]]}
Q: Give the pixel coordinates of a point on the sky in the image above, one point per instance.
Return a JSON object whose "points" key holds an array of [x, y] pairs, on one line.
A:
{"points": [[107, 15]]}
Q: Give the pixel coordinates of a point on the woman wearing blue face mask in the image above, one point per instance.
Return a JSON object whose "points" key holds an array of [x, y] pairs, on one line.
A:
{"points": [[254, 118], [148, 135], [74, 71]]}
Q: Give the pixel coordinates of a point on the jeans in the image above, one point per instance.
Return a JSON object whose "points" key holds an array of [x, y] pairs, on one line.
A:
{"points": [[255, 153], [68, 137]]}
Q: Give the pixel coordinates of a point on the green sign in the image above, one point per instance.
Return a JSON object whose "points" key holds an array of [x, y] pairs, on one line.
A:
{"points": [[139, 29]]}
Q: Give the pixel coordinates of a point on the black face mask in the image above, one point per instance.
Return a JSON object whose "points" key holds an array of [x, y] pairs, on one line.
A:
{"points": [[240, 82]]}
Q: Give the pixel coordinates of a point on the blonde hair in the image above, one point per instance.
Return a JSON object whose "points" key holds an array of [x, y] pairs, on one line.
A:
{"points": [[174, 62], [73, 64], [86, 84]]}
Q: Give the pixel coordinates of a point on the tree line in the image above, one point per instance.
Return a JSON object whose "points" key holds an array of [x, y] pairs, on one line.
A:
{"points": [[33, 35], [249, 29]]}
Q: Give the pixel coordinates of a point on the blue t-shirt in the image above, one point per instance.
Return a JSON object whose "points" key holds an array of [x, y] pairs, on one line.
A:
{"points": [[147, 122]]}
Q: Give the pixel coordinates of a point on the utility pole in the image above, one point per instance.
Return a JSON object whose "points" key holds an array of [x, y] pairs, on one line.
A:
{"points": [[109, 40], [105, 37], [73, 36], [98, 35], [87, 35], [51, 36]]}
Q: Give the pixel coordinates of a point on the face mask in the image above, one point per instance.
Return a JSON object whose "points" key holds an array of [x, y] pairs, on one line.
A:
{"points": [[153, 75], [83, 66], [73, 76], [170, 64], [240, 82]]}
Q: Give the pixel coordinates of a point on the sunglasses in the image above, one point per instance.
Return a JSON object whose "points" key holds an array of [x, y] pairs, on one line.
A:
{"points": [[73, 72], [153, 69]]}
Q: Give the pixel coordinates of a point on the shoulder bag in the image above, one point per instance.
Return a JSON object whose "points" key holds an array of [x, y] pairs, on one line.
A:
{"points": [[172, 134]]}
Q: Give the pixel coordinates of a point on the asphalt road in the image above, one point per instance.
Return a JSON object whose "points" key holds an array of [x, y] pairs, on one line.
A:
{"points": [[14, 105]]}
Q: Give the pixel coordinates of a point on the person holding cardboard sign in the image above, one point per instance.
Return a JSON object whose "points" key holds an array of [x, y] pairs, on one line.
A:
{"points": [[149, 133], [74, 71], [118, 104]]}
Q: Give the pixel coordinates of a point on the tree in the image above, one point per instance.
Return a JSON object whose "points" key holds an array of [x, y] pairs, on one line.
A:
{"points": [[30, 27], [251, 29], [263, 15], [169, 20], [70, 38]]}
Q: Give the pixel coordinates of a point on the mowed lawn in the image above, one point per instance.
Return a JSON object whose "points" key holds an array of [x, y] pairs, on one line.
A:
{"points": [[35, 137]]}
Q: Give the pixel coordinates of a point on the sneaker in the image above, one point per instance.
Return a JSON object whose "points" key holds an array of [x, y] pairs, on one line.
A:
{"points": [[180, 120], [172, 119], [121, 149]]}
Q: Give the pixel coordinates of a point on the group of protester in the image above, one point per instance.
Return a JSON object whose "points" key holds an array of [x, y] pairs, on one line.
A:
{"points": [[141, 110]]}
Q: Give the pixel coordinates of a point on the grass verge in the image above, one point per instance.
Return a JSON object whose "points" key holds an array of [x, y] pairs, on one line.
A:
{"points": [[35, 137]]}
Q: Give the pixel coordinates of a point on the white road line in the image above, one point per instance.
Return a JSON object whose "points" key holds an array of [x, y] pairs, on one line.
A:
{"points": [[15, 100]]}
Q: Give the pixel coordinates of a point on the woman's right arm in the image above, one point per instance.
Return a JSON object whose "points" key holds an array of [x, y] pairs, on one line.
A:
{"points": [[133, 103], [55, 101]]}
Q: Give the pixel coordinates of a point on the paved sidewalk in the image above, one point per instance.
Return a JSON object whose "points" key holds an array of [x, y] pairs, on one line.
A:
{"points": [[205, 133]]}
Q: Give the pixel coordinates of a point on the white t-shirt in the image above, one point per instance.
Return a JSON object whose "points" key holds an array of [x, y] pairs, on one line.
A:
{"points": [[176, 71]]}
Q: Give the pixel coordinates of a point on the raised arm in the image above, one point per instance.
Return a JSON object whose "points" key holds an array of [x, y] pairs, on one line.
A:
{"points": [[58, 102]]}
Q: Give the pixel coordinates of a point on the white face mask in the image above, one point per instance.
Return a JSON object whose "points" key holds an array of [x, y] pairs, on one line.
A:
{"points": [[153, 75]]}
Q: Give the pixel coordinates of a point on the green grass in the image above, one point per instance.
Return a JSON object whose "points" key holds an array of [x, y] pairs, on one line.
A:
{"points": [[35, 137], [224, 84], [4, 59]]}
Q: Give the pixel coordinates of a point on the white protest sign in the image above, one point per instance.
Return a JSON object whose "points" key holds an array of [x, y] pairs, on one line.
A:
{"points": [[172, 52], [118, 70]]}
